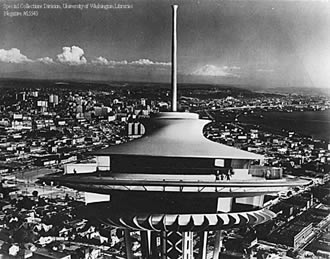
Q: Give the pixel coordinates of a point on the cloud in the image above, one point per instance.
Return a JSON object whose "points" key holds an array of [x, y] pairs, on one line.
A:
{"points": [[211, 70], [231, 68], [104, 62], [13, 56], [46, 60], [148, 62], [72, 56], [123, 62], [263, 70], [100, 61], [75, 56], [140, 62], [143, 61]]}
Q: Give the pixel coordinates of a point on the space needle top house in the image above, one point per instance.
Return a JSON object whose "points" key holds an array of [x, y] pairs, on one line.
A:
{"points": [[164, 184]]}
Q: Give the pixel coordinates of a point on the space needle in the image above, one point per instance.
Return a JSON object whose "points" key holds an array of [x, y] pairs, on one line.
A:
{"points": [[166, 185]]}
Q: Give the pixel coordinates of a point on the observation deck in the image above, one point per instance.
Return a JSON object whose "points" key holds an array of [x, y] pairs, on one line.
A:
{"points": [[174, 163], [107, 182]]}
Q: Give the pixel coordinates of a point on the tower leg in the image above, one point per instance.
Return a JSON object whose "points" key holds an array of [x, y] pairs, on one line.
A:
{"points": [[188, 245], [217, 245], [173, 245], [128, 244], [163, 244], [202, 248], [144, 244], [153, 245], [177, 245]]}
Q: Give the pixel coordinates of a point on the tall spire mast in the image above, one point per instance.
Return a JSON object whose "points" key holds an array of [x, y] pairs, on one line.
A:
{"points": [[174, 58]]}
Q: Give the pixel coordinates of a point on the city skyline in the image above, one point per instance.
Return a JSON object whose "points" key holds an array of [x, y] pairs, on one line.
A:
{"points": [[48, 127], [96, 168], [269, 43]]}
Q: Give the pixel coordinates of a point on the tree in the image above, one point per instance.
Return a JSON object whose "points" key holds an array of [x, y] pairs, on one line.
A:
{"points": [[23, 236], [41, 202], [25, 203], [13, 201], [35, 194]]}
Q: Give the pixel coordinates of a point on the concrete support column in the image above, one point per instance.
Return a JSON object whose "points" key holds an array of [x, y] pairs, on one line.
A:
{"points": [[128, 244], [202, 248]]}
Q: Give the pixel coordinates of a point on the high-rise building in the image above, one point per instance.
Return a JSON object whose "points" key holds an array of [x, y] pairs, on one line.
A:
{"points": [[21, 96], [143, 101]]}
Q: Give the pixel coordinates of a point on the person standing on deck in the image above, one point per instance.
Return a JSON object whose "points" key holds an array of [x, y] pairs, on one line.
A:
{"points": [[217, 174]]}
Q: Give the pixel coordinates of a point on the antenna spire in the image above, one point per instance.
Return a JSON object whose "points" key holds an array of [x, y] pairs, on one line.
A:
{"points": [[174, 58]]}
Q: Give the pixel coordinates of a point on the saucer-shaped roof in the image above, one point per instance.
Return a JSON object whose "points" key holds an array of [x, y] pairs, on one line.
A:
{"points": [[176, 134]]}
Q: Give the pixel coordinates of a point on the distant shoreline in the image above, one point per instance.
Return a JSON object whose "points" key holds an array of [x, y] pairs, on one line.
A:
{"points": [[308, 123]]}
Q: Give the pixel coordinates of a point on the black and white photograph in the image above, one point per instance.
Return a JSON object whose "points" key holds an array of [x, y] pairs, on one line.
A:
{"points": [[162, 129]]}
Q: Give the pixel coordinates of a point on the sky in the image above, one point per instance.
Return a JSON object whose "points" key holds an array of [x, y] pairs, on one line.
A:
{"points": [[266, 43]]}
